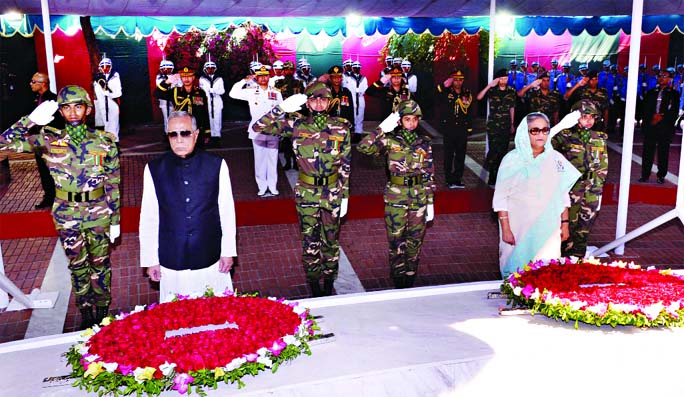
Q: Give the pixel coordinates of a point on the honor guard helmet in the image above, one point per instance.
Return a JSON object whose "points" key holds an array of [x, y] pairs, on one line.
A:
{"points": [[304, 63], [670, 70], [73, 94], [680, 66], [396, 61], [513, 62], [535, 63], [523, 63], [356, 64], [166, 64], [586, 106], [583, 67], [405, 63], [318, 89], [642, 66], [656, 68], [389, 59], [613, 67], [278, 65], [567, 65], [349, 62], [606, 63], [105, 62], [209, 64], [554, 61], [410, 107], [253, 66]]}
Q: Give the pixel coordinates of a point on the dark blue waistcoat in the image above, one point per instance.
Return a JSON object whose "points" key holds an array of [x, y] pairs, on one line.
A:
{"points": [[189, 222]]}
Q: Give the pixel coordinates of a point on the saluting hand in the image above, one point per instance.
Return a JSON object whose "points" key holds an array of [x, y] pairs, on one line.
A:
{"points": [[43, 114]]}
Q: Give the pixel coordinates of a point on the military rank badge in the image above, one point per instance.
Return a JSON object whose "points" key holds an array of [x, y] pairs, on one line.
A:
{"points": [[344, 101], [96, 159], [272, 96], [197, 101]]}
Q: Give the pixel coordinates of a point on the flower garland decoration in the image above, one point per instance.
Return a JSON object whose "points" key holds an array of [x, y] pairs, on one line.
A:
{"points": [[190, 343], [586, 290]]}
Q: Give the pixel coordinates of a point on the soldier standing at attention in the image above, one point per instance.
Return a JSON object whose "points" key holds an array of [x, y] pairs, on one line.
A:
{"points": [[323, 148], [261, 99], [304, 73], [410, 78], [341, 104], [540, 98], [661, 106], [165, 70], [392, 95], [587, 88], [357, 85], [586, 149], [107, 88], [500, 126], [456, 124], [288, 86], [185, 96], [84, 164], [409, 193], [554, 72], [212, 85]]}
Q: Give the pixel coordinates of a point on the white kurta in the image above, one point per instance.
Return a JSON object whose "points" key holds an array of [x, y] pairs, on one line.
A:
{"points": [[525, 202], [106, 108], [186, 281], [260, 101], [215, 105], [357, 87]]}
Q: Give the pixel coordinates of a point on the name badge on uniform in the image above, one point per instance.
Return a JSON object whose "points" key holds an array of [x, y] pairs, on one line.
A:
{"points": [[344, 101], [272, 96]]}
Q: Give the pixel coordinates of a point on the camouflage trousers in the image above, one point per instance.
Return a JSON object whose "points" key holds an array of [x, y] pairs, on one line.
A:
{"points": [[320, 229], [582, 214], [405, 226], [498, 138], [88, 252]]}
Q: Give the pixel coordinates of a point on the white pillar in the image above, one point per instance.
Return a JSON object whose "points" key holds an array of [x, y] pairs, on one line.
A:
{"points": [[4, 297], [49, 56], [628, 141], [492, 33]]}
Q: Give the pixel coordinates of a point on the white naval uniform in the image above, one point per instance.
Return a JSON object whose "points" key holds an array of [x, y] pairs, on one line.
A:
{"points": [[260, 101], [357, 84], [164, 105], [106, 108], [213, 87], [187, 282]]}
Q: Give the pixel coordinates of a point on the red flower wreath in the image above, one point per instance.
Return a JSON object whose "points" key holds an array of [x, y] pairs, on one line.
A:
{"points": [[587, 290], [137, 352]]}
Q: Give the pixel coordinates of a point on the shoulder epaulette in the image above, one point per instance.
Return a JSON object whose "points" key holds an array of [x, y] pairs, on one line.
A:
{"points": [[52, 130], [106, 135]]}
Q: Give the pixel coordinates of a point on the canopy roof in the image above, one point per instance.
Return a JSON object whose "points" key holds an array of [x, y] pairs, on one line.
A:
{"points": [[306, 8]]}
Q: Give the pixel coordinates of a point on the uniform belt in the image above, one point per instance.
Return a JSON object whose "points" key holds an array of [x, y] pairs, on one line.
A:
{"points": [[78, 197], [318, 180], [406, 180]]}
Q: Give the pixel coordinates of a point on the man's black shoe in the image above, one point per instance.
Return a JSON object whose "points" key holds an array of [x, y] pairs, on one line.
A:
{"points": [[660, 180], [45, 203], [643, 179]]}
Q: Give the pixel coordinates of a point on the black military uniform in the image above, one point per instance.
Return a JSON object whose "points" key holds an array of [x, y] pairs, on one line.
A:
{"points": [[391, 95], [341, 104], [456, 123], [660, 112], [193, 102]]}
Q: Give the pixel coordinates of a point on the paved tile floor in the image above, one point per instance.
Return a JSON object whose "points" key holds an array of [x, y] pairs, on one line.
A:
{"points": [[459, 247]]}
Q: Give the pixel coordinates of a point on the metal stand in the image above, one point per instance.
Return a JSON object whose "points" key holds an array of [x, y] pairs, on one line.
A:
{"points": [[677, 212], [21, 301]]}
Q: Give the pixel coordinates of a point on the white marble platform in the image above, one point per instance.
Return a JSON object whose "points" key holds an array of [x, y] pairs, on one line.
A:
{"points": [[433, 341]]}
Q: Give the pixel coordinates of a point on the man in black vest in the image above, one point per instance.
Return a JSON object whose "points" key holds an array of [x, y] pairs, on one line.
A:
{"points": [[187, 216]]}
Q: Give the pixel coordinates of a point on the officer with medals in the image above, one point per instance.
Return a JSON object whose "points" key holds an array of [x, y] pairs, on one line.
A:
{"points": [[341, 104], [322, 145], [456, 124], [84, 164], [395, 92]]}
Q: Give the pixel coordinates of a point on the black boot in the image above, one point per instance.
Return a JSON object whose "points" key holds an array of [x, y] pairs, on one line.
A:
{"points": [[100, 313], [408, 281], [87, 319], [315, 288], [288, 164], [399, 281], [328, 286]]}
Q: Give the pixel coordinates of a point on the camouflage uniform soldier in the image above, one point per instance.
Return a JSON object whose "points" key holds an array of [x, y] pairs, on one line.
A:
{"points": [[587, 88], [322, 148], [541, 98], [84, 164], [500, 125], [409, 193], [586, 149]]}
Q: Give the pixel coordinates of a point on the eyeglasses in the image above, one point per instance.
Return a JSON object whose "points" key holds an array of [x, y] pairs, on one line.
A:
{"points": [[536, 131], [36, 82], [184, 134]]}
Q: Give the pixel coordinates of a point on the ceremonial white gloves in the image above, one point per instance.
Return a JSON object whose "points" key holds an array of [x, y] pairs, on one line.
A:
{"points": [[430, 213], [569, 121], [293, 103], [390, 123], [343, 207], [114, 232], [43, 114]]}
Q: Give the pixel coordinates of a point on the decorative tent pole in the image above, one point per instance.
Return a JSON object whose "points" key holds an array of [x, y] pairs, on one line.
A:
{"points": [[49, 56], [627, 146]]}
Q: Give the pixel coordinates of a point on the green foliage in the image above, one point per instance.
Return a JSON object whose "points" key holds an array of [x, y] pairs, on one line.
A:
{"points": [[418, 48]]}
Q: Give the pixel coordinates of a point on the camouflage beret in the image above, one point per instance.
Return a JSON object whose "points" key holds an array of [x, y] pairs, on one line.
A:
{"points": [[73, 94], [586, 106], [410, 107], [318, 89]]}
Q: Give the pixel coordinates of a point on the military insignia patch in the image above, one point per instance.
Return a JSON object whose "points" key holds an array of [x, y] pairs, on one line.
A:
{"points": [[272, 96], [345, 100]]}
